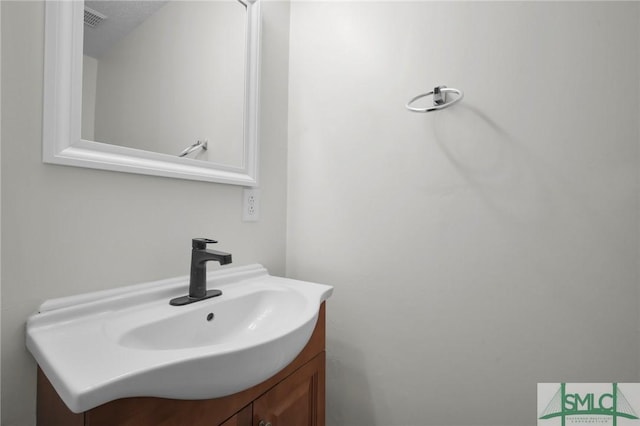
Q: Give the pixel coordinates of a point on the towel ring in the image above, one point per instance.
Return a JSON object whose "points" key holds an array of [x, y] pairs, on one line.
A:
{"points": [[196, 146], [439, 99]]}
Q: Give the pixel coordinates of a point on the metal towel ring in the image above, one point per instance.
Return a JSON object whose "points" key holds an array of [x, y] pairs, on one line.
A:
{"points": [[196, 146], [439, 99]]}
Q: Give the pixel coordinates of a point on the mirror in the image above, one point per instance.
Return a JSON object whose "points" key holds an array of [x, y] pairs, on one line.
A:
{"points": [[166, 88]]}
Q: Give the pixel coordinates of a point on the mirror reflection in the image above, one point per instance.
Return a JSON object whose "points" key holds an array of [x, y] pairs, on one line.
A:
{"points": [[166, 76]]}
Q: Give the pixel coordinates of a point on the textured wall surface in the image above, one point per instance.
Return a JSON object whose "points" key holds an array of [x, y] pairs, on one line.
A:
{"points": [[478, 250]]}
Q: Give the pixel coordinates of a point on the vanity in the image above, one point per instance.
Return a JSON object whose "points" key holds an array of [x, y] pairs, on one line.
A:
{"points": [[254, 356], [294, 396]]}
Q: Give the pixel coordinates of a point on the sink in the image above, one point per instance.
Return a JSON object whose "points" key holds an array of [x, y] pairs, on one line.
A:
{"points": [[126, 342], [240, 316]]}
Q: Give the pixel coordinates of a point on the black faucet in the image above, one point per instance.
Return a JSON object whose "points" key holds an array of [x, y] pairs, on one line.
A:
{"points": [[198, 281]]}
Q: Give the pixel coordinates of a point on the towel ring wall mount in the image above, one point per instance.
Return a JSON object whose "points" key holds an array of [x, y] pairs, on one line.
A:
{"points": [[439, 94]]}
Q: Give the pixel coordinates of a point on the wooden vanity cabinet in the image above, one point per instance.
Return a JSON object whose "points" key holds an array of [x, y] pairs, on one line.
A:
{"points": [[243, 418], [296, 401], [293, 397]]}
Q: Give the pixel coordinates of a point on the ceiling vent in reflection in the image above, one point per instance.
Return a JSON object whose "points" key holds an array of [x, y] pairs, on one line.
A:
{"points": [[92, 18]]}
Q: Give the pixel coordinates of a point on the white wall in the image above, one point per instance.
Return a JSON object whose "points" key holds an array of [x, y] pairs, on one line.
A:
{"points": [[89, 82], [67, 230], [478, 250]]}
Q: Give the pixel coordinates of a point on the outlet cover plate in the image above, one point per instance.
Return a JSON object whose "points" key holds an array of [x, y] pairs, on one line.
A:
{"points": [[251, 205]]}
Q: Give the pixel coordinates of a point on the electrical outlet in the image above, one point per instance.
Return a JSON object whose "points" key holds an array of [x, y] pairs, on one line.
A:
{"points": [[251, 205]]}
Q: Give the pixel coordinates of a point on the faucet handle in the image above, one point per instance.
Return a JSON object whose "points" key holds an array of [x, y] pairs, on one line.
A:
{"points": [[201, 243]]}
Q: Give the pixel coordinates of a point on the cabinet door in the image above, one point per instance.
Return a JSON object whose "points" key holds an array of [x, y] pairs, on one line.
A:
{"points": [[243, 418], [296, 401]]}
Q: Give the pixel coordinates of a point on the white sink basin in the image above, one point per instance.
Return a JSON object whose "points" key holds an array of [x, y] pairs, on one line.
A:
{"points": [[257, 309], [98, 347]]}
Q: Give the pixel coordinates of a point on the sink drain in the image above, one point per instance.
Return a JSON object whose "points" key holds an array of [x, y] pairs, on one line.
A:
{"points": [[210, 316]]}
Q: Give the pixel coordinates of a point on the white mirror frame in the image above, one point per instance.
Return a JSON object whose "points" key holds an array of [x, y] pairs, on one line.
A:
{"points": [[62, 113]]}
